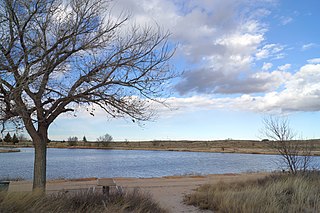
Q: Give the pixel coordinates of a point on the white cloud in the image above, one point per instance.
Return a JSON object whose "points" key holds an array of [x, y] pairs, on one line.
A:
{"points": [[227, 41], [239, 41], [284, 20], [274, 51], [284, 67], [266, 66], [308, 46], [224, 37], [314, 61]]}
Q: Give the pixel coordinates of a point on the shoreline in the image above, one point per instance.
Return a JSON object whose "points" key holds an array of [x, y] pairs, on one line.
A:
{"points": [[190, 176], [8, 150], [226, 151], [168, 191], [212, 150], [215, 146]]}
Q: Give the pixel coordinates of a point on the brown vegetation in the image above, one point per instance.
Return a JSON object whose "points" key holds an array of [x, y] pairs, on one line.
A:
{"points": [[275, 193], [85, 201], [9, 150]]}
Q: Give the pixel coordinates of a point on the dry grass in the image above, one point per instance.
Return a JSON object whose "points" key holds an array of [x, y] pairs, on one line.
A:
{"points": [[275, 193], [85, 201]]}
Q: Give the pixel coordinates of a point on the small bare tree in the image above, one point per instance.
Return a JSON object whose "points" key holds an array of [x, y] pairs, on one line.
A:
{"points": [[57, 55], [72, 141], [294, 153], [105, 139]]}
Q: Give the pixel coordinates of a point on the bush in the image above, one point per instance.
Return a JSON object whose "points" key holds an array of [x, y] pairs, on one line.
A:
{"points": [[84, 201], [72, 141], [105, 139], [275, 193]]}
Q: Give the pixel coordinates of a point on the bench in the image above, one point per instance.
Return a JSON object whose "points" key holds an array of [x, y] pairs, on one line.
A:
{"points": [[106, 183]]}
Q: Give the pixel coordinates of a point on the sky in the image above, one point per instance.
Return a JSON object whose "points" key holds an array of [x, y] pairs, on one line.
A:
{"points": [[241, 60]]}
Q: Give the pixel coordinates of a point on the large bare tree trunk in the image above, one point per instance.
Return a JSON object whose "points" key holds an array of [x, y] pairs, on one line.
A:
{"points": [[39, 172], [40, 160]]}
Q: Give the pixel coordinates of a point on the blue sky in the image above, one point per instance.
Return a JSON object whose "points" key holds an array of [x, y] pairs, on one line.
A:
{"points": [[242, 60]]}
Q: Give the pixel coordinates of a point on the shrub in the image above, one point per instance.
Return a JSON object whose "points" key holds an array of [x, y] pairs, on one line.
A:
{"points": [[105, 139], [72, 141]]}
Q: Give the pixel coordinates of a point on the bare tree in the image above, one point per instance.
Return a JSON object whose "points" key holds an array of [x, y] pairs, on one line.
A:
{"points": [[294, 153], [105, 138], [57, 55], [72, 141]]}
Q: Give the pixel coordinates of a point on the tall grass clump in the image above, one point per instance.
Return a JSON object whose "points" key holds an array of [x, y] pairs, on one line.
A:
{"points": [[82, 201], [275, 193]]}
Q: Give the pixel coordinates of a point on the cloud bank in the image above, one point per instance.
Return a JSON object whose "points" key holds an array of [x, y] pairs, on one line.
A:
{"points": [[224, 42], [301, 92]]}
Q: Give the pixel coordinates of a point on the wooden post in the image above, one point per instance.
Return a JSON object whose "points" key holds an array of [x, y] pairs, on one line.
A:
{"points": [[106, 183], [105, 190]]}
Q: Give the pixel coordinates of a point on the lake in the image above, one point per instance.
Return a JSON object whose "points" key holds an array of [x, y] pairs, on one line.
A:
{"points": [[79, 163]]}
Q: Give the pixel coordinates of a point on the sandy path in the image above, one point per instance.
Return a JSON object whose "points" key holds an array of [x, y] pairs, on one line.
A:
{"points": [[167, 191]]}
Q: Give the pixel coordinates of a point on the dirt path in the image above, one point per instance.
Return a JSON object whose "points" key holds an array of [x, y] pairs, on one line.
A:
{"points": [[170, 191], [167, 191]]}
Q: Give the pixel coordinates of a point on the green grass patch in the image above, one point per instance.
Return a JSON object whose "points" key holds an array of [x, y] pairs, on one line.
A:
{"points": [[83, 201], [275, 193]]}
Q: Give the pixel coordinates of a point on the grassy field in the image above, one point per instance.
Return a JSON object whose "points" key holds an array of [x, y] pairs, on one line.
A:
{"points": [[133, 201], [274, 193], [224, 146]]}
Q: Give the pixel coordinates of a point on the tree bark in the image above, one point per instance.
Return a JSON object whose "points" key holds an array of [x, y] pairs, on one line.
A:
{"points": [[39, 172], [40, 160]]}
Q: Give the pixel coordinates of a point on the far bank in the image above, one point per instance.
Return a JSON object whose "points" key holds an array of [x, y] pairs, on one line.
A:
{"points": [[217, 146]]}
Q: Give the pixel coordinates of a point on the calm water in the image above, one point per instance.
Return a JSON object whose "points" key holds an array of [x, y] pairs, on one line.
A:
{"points": [[76, 163]]}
